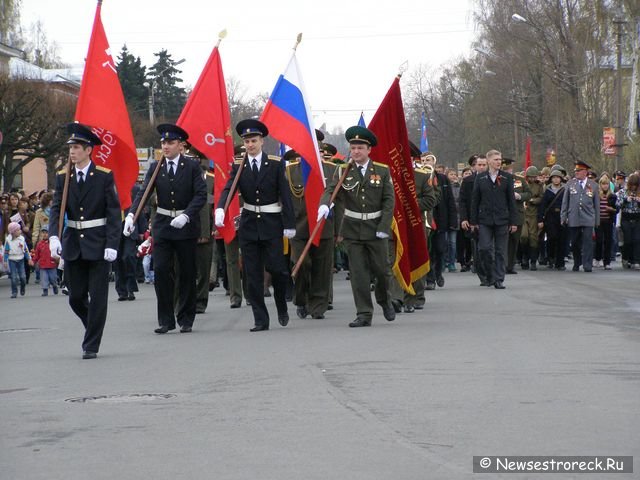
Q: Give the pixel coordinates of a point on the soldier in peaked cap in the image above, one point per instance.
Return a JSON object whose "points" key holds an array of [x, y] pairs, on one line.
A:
{"points": [[267, 215], [522, 194], [90, 239], [581, 212], [181, 193], [368, 199]]}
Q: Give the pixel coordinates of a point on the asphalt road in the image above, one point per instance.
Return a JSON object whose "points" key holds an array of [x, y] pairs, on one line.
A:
{"points": [[549, 366]]}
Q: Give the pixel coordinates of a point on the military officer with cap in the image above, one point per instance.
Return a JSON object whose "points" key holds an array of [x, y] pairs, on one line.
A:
{"points": [[522, 194], [91, 237], [181, 193], [312, 288], [530, 233], [581, 212], [368, 199], [267, 215]]}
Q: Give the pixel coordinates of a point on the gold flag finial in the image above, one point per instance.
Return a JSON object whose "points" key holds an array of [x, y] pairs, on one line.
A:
{"points": [[221, 35], [298, 40], [403, 68]]}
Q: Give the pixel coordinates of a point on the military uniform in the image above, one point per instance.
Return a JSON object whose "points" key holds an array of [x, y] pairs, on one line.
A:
{"points": [[368, 199], [530, 233], [92, 228], [267, 211], [549, 215], [312, 288], [180, 191], [205, 250], [520, 187], [581, 212]]}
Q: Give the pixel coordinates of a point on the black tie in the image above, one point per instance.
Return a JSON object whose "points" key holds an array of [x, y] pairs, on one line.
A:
{"points": [[171, 172], [80, 179], [362, 170], [254, 167]]}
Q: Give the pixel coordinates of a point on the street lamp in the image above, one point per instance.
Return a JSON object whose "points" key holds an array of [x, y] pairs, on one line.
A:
{"points": [[152, 87]]}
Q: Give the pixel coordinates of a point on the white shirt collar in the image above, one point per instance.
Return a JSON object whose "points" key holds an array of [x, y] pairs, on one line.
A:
{"points": [[84, 171], [257, 158], [365, 165], [174, 160]]}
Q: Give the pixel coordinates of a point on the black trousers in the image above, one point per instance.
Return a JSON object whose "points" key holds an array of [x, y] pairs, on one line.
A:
{"points": [[582, 247], [184, 253], [631, 246], [88, 283], [437, 254], [125, 267], [556, 245], [257, 256], [604, 239], [492, 249]]}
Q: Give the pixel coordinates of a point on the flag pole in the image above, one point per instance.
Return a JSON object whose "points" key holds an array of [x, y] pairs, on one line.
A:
{"points": [[147, 190], [65, 195], [319, 224], [232, 191]]}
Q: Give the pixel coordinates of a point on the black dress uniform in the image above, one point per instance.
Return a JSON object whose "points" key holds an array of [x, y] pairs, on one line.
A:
{"points": [[181, 192], [92, 225], [266, 212]]}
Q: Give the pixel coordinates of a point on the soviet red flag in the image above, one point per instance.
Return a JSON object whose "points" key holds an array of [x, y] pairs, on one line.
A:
{"points": [[207, 120], [101, 104], [388, 124]]}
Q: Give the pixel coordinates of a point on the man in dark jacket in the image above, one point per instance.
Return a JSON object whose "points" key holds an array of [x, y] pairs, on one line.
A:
{"points": [[493, 212], [181, 193]]}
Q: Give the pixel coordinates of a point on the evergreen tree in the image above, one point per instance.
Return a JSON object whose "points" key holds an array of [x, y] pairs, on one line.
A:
{"points": [[132, 75], [169, 98]]}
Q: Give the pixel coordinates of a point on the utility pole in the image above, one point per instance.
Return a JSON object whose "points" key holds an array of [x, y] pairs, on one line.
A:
{"points": [[619, 22]]}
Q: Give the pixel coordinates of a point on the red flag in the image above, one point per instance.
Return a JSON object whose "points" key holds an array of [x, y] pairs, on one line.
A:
{"points": [[101, 105], [412, 255], [527, 157], [207, 119]]}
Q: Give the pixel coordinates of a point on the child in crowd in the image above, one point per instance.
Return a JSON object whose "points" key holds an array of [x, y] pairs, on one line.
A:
{"points": [[145, 251], [16, 252], [42, 257]]}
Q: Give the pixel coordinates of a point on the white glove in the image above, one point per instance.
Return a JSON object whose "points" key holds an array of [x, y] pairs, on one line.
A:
{"points": [[382, 235], [323, 212], [180, 221], [54, 247], [110, 254], [219, 220], [128, 225], [289, 232]]}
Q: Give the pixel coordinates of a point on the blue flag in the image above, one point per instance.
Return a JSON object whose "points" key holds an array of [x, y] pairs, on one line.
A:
{"points": [[361, 120], [424, 143], [283, 149]]}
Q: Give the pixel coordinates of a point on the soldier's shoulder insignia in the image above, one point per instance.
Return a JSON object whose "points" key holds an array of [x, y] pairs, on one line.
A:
{"points": [[293, 163], [381, 164], [210, 174], [62, 171], [331, 164], [275, 158], [103, 169], [238, 162]]}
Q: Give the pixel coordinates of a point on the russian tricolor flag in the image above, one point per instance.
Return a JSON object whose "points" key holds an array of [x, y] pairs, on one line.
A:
{"points": [[288, 117]]}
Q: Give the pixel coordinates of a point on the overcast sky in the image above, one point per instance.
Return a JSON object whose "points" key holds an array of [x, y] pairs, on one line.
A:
{"points": [[349, 55]]}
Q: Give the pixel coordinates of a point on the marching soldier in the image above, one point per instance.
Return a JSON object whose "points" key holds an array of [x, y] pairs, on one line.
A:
{"points": [[581, 212], [522, 194], [530, 233], [90, 239], [267, 215], [312, 288], [368, 198], [181, 192]]}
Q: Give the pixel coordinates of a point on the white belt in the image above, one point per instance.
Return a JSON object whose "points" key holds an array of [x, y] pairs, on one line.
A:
{"points": [[81, 225], [271, 208], [169, 213], [362, 216]]}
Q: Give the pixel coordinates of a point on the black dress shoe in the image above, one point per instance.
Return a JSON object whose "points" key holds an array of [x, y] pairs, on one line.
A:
{"points": [[122, 298], [259, 328], [499, 285], [397, 305], [389, 312], [588, 270], [89, 355], [163, 329], [302, 312], [440, 281], [485, 284], [409, 309], [236, 305], [283, 319], [465, 269], [419, 307], [360, 322], [576, 268], [329, 307], [430, 286], [185, 329], [131, 297], [511, 272], [317, 317]]}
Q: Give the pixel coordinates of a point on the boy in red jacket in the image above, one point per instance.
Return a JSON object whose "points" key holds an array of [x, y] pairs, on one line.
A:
{"points": [[48, 273]]}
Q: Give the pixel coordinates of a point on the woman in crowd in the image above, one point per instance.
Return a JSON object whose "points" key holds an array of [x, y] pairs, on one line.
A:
{"points": [[604, 231], [628, 201]]}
